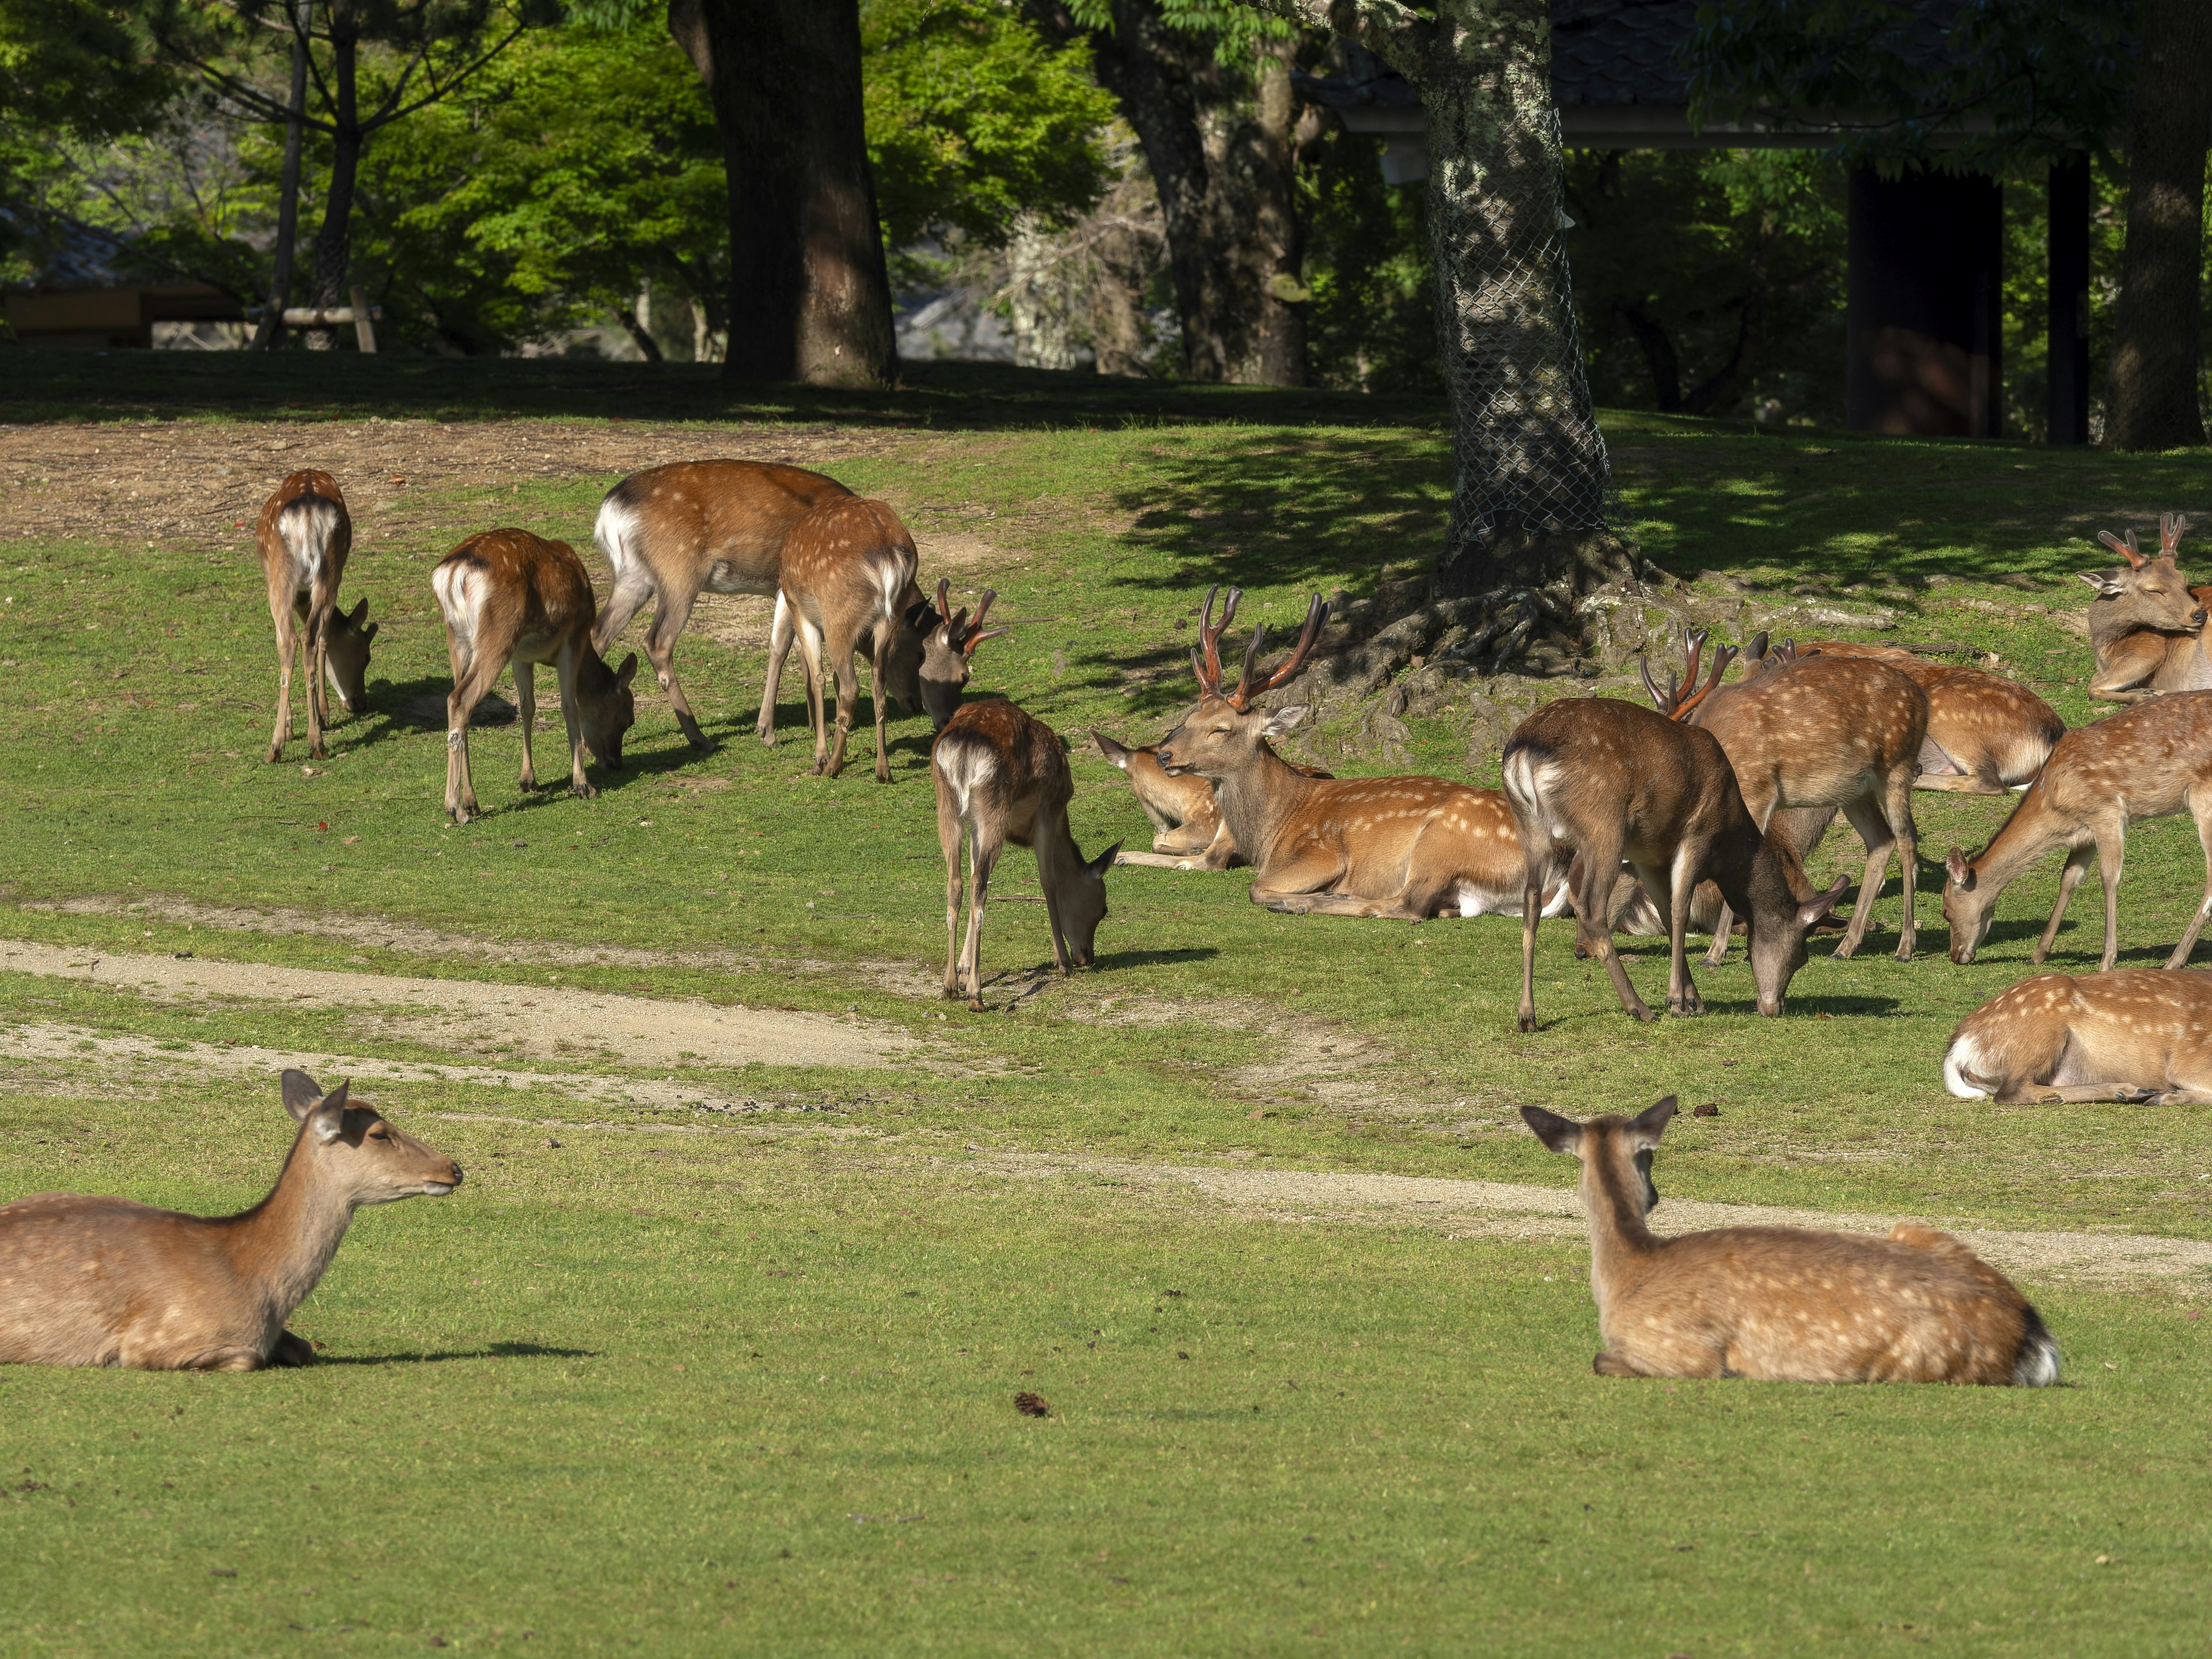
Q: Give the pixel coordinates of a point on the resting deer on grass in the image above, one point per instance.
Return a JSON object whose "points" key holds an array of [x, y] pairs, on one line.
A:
{"points": [[2148, 761], [1783, 1304], [1002, 776], [1189, 831], [1409, 849], [103, 1281], [671, 532], [2147, 622], [305, 535], [1821, 732], [512, 598], [2140, 1035], [1593, 780]]}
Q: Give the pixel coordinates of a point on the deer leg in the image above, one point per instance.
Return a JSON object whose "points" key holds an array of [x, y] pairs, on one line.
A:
{"points": [[876, 696], [322, 605], [948, 840], [985, 857], [2077, 865], [1532, 902], [1302, 884], [2180, 956], [631, 590], [1674, 890], [848, 676], [286, 636], [1590, 885], [1873, 829], [779, 648], [469, 688], [525, 711], [668, 620], [810, 660], [2111, 849], [572, 717]]}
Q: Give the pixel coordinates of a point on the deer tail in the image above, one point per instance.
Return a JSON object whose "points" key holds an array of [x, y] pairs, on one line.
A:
{"points": [[2035, 1362]]}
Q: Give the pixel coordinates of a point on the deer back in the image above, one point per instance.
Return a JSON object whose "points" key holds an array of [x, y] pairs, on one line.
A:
{"points": [[304, 525], [1822, 721], [993, 757], [708, 524], [510, 593], [2142, 1027]]}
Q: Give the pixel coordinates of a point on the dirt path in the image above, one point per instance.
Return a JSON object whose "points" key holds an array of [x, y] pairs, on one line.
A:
{"points": [[468, 1015]]}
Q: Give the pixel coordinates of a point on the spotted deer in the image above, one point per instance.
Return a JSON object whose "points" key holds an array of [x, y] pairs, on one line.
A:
{"points": [[510, 597], [1783, 1304], [1002, 776], [2147, 624], [2138, 1035], [1820, 731], [1409, 849], [304, 536], [1190, 833], [104, 1281], [1591, 782], [672, 533], [2151, 761]]}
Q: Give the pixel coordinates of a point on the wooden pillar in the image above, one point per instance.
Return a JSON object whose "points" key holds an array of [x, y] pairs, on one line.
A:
{"points": [[1925, 307], [2068, 331]]}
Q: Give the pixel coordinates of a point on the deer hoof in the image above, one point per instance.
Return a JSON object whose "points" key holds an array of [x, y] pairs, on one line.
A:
{"points": [[1526, 1023], [974, 1004]]}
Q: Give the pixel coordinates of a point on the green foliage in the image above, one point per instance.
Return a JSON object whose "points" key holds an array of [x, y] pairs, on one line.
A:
{"points": [[76, 66], [1371, 324], [1236, 28], [975, 121]]}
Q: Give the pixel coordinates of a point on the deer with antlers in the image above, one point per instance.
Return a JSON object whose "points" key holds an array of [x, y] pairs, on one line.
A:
{"points": [[2148, 761], [304, 536], [1189, 830], [1406, 847], [1821, 732], [2147, 624]]}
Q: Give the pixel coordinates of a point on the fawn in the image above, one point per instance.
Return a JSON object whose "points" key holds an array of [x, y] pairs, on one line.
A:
{"points": [[305, 535]]}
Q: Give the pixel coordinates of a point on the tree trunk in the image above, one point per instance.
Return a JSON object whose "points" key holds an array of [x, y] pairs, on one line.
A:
{"points": [[807, 273], [334, 241], [2151, 401], [1274, 247], [271, 333]]}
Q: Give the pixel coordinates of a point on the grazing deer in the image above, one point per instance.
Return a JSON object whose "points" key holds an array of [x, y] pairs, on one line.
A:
{"points": [[103, 1281], [2147, 624], [1819, 731], [304, 534], [673, 532], [846, 577], [1783, 1304], [2148, 761], [1409, 849], [2140, 1035], [512, 598], [1593, 780], [1986, 734], [1190, 833], [1002, 776]]}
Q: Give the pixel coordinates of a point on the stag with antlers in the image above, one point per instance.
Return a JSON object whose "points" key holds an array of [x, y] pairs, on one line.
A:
{"points": [[2147, 624]]}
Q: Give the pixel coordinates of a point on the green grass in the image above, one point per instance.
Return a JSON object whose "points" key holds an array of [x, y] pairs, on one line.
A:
{"points": [[463, 1474]]}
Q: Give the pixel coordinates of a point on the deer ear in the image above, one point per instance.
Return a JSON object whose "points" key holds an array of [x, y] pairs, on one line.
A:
{"points": [[1099, 865], [627, 672], [325, 1120], [2107, 582], [1117, 754], [920, 616], [1561, 1134], [1645, 1129], [1810, 913], [1283, 720], [360, 611], [1962, 877], [300, 1092]]}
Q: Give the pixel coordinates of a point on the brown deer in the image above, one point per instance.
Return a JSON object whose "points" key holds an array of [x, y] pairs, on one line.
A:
{"points": [[304, 535], [1002, 776], [2139, 1034], [1190, 833], [1783, 1304], [2147, 624], [512, 598], [1593, 780], [1821, 731], [671, 532], [103, 1281], [2148, 761], [1408, 848]]}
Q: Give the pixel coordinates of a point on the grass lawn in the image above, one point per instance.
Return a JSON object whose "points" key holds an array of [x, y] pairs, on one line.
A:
{"points": [[738, 1374]]}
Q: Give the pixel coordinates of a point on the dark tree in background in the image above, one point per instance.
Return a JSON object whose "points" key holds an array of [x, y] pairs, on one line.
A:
{"points": [[810, 292], [2152, 399]]}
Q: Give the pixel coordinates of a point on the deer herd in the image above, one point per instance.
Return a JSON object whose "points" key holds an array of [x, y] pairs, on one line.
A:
{"points": [[1697, 813]]}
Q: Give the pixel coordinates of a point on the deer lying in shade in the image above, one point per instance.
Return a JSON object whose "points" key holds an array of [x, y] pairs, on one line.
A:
{"points": [[1783, 1304], [103, 1281], [2140, 1035]]}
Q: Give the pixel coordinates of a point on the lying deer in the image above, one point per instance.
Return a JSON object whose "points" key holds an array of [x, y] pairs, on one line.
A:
{"points": [[2147, 624], [1408, 848], [1593, 780], [1820, 731], [512, 598], [2139, 1034], [671, 532], [1783, 1304], [1002, 776], [1190, 832], [2148, 761], [103, 1281], [304, 535]]}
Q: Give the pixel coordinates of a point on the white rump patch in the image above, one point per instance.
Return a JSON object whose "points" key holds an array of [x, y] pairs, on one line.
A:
{"points": [[305, 525], [460, 592], [965, 767], [1963, 1054], [1530, 783], [618, 530]]}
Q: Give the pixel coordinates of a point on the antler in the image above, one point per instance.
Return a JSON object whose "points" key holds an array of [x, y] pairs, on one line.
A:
{"points": [[2126, 549], [1206, 655], [1723, 656], [1317, 619], [976, 633], [2170, 528]]}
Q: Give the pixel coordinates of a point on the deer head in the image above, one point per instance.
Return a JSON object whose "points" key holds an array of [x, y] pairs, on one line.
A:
{"points": [[1224, 730], [949, 639], [369, 1160], [345, 656], [2148, 593], [606, 705], [1681, 697]]}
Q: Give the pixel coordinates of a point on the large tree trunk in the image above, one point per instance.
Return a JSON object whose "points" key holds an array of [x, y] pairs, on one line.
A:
{"points": [[810, 293], [2152, 400], [1275, 250], [271, 333], [334, 240]]}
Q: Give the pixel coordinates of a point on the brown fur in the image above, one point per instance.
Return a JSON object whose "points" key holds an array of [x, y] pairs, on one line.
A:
{"points": [[104, 1281], [2147, 624], [1002, 776], [510, 597], [1189, 831], [1997, 731], [2148, 761], [1783, 1304], [1593, 780], [303, 598], [848, 577], [672, 533], [2140, 1034]]}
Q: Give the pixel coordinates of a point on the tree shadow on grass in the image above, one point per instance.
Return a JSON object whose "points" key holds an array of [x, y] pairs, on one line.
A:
{"points": [[489, 1351]]}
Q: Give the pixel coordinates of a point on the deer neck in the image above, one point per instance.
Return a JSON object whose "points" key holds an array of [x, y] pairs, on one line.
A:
{"points": [[283, 1244], [1618, 1239], [2025, 837], [1257, 798]]}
